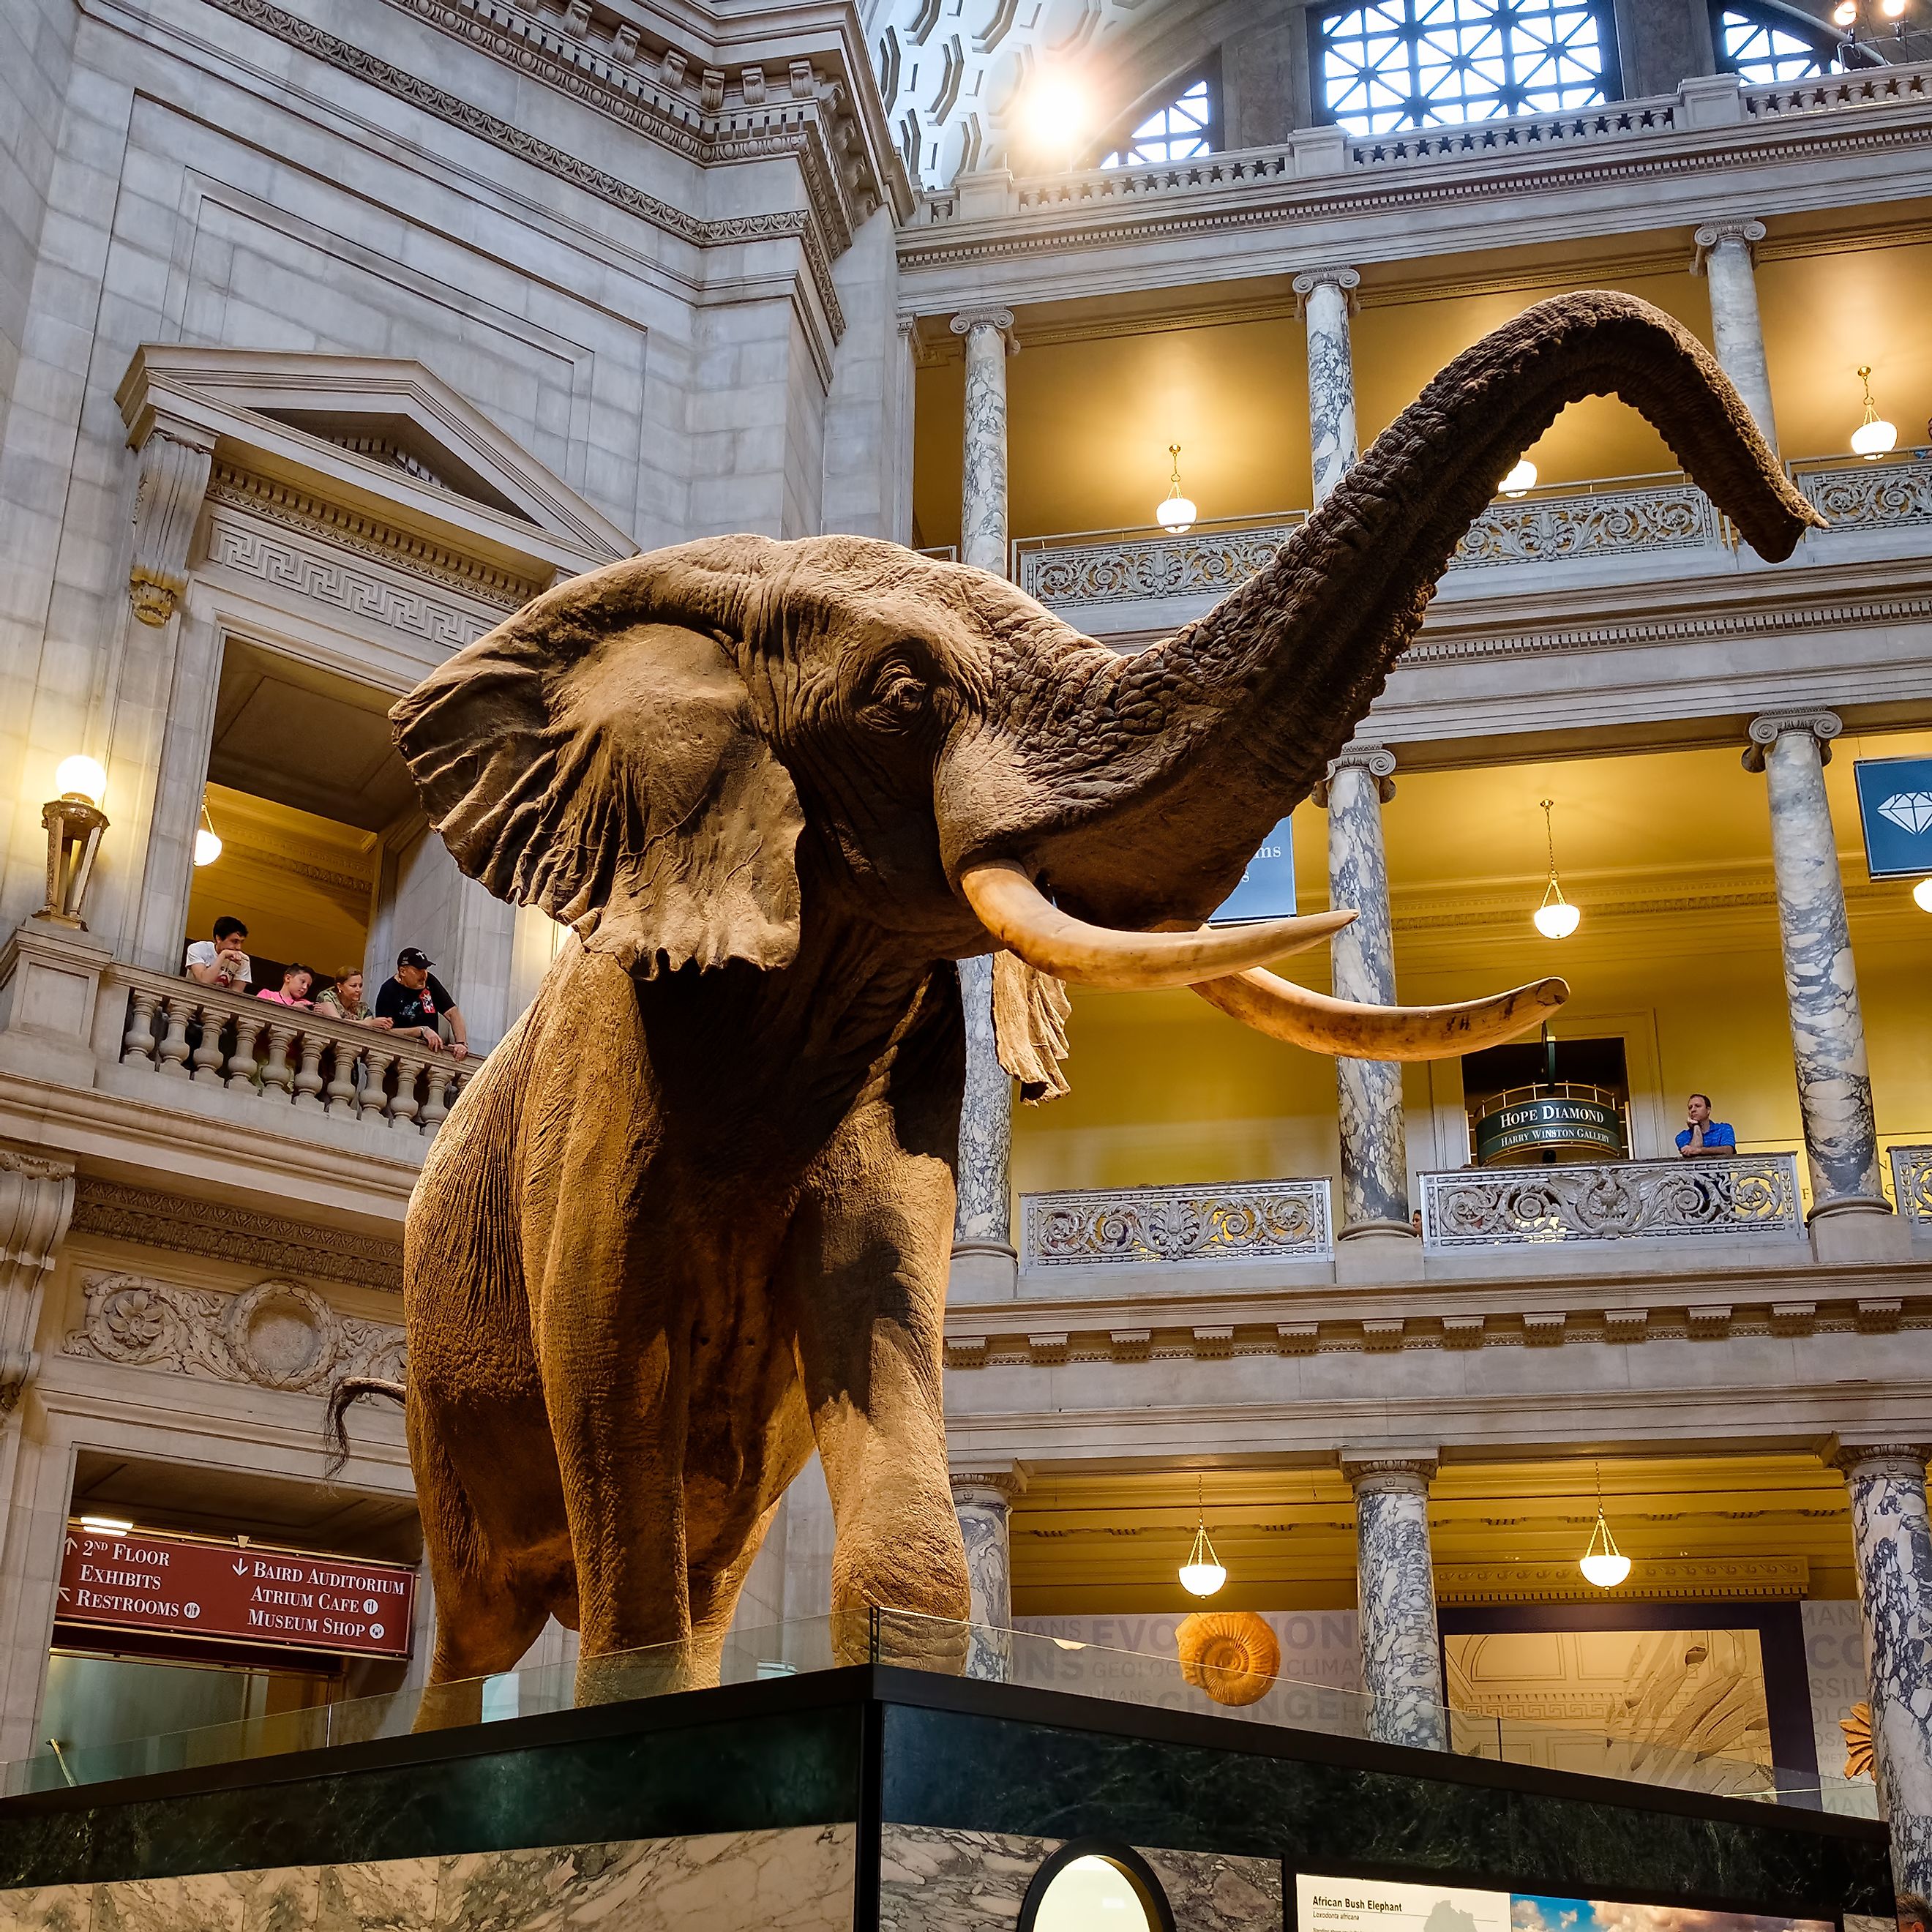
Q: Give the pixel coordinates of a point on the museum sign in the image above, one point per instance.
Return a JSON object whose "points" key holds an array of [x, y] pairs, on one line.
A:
{"points": [[181, 1586], [1574, 1124]]}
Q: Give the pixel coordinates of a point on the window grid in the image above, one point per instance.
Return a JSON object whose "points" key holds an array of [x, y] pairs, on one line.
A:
{"points": [[1180, 131], [1387, 64], [1755, 46]]}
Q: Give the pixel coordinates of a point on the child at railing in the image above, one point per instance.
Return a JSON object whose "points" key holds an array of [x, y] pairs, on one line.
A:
{"points": [[296, 980]]}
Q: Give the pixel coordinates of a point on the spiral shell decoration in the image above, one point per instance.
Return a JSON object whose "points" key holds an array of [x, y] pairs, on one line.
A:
{"points": [[1231, 1654]]}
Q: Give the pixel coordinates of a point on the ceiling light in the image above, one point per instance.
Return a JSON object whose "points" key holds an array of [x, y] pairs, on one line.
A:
{"points": [[1521, 479], [207, 840], [1203, 1573], [1921, 896], [106, 1525], [1604, 1564], [1175, 513], [1874, 435], [1891, 9], [1056, 113], [1847, 13], [1555, 918], [80, 777]]}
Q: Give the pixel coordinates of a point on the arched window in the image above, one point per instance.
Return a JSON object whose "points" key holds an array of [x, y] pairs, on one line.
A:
{"points": [[1760, 43], [1188, 125], [1392, 64], [1092, 1884]]}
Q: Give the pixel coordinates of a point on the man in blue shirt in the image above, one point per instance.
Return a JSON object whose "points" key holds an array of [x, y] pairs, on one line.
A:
{"points": [[1704, 1135]]}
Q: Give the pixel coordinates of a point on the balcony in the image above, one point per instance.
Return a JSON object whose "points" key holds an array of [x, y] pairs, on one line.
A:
{"points": [[1119, 581]]}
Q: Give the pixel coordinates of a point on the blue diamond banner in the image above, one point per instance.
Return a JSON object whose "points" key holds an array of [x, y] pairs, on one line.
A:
{"points": [[1895, 804]]}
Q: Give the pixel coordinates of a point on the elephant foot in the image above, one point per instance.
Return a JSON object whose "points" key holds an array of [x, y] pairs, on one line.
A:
{"points": [[443, 1707], [618, 1676], [908, 1640]]}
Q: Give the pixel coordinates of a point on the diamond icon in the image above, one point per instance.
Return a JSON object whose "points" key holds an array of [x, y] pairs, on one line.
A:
{"points": [[1910, 811]]}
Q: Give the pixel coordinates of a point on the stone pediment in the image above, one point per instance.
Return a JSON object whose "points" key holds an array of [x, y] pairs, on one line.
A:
{"points": [[383, 445]]}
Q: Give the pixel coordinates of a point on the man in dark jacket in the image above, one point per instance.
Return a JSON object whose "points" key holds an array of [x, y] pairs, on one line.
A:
{"points": [[420, 1003]]}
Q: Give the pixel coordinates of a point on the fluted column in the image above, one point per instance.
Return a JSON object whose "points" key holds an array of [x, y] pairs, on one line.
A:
{"points": [[984, 1500], [1850, 1218], [985, 1266], [982, 504], [1894, 1544], [1395, 1598], [1326, 295], [1374, 1154], [1725, 257]]}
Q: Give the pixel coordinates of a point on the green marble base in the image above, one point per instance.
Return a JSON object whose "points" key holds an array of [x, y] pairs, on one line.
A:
{"points": [[877, 1749]]}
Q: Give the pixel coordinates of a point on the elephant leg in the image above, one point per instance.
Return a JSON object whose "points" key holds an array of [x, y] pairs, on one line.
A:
{"points": [[871, 1247]]}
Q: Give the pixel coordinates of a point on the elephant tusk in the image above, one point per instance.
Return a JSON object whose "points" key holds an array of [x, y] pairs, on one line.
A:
{"points": [[1027, 922], [1286, 1011]]}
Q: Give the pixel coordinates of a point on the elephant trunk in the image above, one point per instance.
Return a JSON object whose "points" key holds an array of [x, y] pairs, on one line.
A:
{"points": [[1185, 755]]}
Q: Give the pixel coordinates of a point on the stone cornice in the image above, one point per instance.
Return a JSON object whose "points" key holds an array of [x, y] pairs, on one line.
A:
{"points": [[215, 1231]]}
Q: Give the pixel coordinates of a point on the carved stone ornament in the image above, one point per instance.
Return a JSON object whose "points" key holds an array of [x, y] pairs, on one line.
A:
{"points": [[36, 1206], [1765, 731], [175, 465], [1347, 279], [1714, 234], [277, 1335]]}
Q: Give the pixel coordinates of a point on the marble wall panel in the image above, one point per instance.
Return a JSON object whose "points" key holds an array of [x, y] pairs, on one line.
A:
{"points": [[933, 1879], [795, 1880]]}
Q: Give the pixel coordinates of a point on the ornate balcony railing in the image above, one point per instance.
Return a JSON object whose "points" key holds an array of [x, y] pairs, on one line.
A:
{"points": [[1889, 494], [1740, 1197], [1911, 1187], [1119, 567], [271, 1060], [1594, 521], [1180, 1227]]}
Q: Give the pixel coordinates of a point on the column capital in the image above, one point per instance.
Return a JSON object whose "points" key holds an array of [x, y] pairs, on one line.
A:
{"points": [[1391, 1472], [1712, 234], [987, 315], [1335, 275], [1769, 726], [1378, 760], [1904, 1460], [997, 1485]]}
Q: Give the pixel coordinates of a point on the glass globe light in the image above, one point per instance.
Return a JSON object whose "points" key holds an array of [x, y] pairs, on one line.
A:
{"points": [[1891, 9], [1874, 436], [1845, 13], [207, 845], [1921, 896], [1204, 1573], [80, 777], [1604, 1564], [1557, 919], [1521, 479], [1175, 515]]}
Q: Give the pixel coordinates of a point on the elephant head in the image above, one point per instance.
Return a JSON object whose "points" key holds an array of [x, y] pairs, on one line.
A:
{"points": [[660, 753]]}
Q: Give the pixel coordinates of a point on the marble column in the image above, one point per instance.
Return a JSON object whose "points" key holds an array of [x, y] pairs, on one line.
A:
{"points": [[1395, 1598], [1725, 259], [1374, 1154], [985, 1266], [1894, 1544], [1326, 296], [1821, 990], [982, 502], [985, 1500]]}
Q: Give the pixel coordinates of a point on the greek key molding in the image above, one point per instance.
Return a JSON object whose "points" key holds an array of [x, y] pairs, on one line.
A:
{"points": [[1260, 1220], [1739, 1197], [239, 545], [417, 92], [343, 529], [218, 1232], [277, 1335]]}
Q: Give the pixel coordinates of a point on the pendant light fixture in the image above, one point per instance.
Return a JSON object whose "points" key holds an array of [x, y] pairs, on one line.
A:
{"points": [[207, 840], [1203, 1573], [1874, 436], [1555, 918], [1175, 514], [1603, 1564], [1520, 480], [1921, 896]]}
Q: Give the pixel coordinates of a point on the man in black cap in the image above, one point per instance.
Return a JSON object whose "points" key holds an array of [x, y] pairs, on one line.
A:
{"points": [[419, 1003]]}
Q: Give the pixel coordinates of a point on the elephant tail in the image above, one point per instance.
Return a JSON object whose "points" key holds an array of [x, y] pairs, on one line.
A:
{"points": [[342, 1392]]}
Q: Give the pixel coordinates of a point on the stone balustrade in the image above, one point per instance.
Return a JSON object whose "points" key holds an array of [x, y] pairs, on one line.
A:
{"points": [[1911, 1188], [271, 1058], [1120, 567], [1751, 1197], [1891, 494], [1180, 1227], [1616, 121], [1822, 94]]}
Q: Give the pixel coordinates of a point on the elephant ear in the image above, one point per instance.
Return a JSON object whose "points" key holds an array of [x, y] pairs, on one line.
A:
{"points": [[1030, 1010], [615, 778]]}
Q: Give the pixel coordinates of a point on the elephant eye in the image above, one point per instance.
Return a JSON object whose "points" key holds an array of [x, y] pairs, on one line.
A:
{"points": [[899, 693]]}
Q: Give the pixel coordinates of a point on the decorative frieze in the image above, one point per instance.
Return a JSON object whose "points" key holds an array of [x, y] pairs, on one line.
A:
{"points": [[218, 1232], [1742, 1197], [1678, 1580], [277, 1335], [1262, 1220]]}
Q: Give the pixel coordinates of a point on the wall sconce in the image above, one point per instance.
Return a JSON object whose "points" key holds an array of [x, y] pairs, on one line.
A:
{"points": [[1521, 480], [1874, 436], [1175, 513], [74, 822], [1555, 918]]}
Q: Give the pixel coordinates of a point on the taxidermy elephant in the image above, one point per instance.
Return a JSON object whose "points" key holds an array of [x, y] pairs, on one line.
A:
{"points": [[692, 1218]]}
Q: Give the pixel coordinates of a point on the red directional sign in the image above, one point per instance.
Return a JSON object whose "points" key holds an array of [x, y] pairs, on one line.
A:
{"points": [[147, 1581]]}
